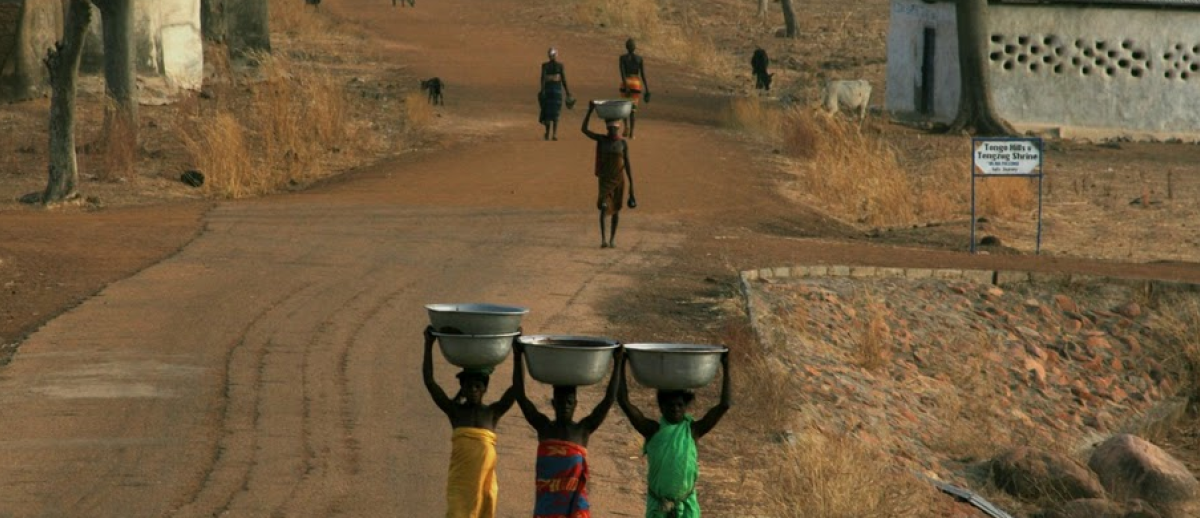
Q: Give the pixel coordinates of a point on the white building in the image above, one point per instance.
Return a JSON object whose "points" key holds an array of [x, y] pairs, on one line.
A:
{"points": [[1098, 69], [168, 46]]}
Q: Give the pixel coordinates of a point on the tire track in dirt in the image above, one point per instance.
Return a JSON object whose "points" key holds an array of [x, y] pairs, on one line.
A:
{"points": [[332, 446], [222, 478]]}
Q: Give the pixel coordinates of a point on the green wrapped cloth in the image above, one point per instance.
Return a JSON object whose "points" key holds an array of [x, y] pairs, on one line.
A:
{"points": [[673, 471]]}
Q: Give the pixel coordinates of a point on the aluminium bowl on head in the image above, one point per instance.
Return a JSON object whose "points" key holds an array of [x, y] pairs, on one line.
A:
{"points": [[475, 318], [475, 351], [614, 109], [564, 360], [674, 366]]}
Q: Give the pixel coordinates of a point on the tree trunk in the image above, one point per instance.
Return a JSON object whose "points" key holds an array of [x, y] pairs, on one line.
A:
{"points": [[212, 20], [789, 18], [38, 25], [120, 114], [976, 106], [63, 63], [247, 27]]}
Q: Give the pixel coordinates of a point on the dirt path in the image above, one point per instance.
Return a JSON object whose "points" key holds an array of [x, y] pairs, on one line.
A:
{"points": [[269, 368]]}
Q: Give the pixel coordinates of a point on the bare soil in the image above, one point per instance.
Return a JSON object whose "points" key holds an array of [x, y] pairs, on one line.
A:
{"points": [[725, 218]]}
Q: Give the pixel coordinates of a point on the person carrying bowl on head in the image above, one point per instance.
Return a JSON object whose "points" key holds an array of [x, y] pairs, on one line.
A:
{"points": [[562, 469], [471, 487], [670, 446], [633, 82], [612, 159], [553, 84]]}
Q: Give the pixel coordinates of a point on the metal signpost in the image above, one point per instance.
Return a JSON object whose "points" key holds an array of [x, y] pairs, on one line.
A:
{"points": [[993, 157]]}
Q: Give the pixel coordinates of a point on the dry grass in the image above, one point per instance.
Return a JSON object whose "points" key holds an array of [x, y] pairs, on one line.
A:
{"points": [[836, 476], [756, 117], [657, 34], [855, 173], [218, 146], [818, 475], [874, 351], [296, 19], [419, 116], [295, 117], [973, 428]]}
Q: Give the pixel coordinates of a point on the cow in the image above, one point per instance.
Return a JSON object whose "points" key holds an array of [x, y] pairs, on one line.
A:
{"points": [[851, 95], [434, 86]]}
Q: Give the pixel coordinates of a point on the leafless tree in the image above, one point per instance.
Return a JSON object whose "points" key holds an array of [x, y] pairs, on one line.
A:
{"points": [[789, 19], [120, 80], [63, 64], [977, 108]]}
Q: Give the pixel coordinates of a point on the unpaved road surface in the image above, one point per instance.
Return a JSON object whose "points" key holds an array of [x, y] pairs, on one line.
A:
{"points": [[271, 366]]}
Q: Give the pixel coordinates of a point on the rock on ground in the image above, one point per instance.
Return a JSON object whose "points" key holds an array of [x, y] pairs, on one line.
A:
{"points": [[1130, 467], [1031, 474]]}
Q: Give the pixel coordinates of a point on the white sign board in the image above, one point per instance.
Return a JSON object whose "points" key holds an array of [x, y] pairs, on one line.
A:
{"points": [[1007, 157]]}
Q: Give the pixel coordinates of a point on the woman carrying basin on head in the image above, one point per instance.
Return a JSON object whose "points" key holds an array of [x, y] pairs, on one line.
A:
{"points": [[670, 445], [562, 469], [471, 487]]}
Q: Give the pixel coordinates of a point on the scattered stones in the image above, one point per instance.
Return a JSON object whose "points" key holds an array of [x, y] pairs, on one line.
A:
{"points": [[1065, 303]]}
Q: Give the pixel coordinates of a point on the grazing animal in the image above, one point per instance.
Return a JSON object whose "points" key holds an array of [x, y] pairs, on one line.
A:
{"points": [[851, 95], [758, 65], [434, 86]]}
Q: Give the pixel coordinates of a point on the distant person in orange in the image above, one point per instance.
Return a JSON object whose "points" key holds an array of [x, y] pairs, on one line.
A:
{"points": [[612, 159], [471, 487], [633, 82]]}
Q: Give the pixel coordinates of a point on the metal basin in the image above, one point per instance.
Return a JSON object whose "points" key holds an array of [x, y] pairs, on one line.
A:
{"points": [[614, 109], [475, 319], [475, 351], [568, 360], [674, 366]]}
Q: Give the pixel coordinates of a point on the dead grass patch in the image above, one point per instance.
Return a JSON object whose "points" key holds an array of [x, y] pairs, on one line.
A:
{"points": [[835, 476], [874, 351], [852, 171], [219, 148], [813, 474], [419, 116], [973, 427], [657, 34]]}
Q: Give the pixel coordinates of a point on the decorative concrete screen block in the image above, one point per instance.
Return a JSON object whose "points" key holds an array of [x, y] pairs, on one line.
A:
{"points": [[782, 272], [819, 270], [1087, 71], [839, 271]]}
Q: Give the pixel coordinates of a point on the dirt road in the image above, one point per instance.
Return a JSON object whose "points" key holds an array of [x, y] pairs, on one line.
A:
{"points": [[271, 366]]}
